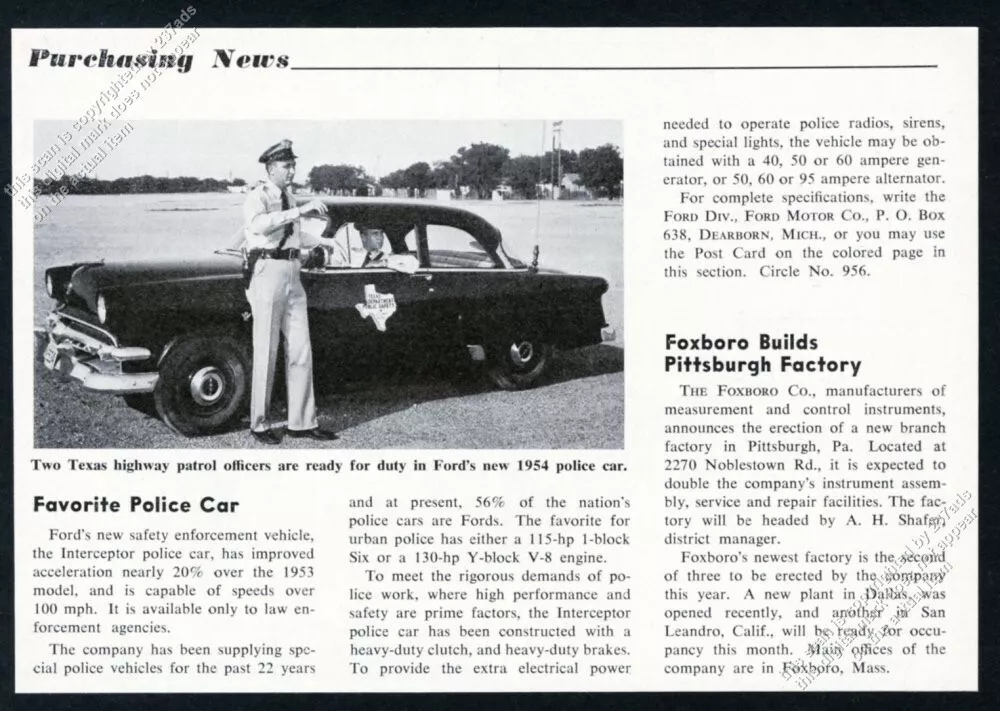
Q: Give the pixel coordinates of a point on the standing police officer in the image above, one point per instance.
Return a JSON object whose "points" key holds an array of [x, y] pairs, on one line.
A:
{"points": [[278, 301]]}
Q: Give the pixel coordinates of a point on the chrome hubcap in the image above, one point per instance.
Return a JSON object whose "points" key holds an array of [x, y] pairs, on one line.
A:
{"points": [[207, 386], [521, 353]]}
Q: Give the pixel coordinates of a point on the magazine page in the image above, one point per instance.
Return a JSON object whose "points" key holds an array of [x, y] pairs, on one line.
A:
{"points": [[495, 360]]}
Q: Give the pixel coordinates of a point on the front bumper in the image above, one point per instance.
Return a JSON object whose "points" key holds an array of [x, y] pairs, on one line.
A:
{"points": [[92, 356]]}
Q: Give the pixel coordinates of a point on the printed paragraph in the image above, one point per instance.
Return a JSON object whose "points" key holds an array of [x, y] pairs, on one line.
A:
{"points": [[483, 586], [763, 489], [131, 601], [813, 198]]}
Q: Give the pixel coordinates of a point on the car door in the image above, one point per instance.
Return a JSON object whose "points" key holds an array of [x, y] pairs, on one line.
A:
{"points": [[464, 281], [363, 310]]}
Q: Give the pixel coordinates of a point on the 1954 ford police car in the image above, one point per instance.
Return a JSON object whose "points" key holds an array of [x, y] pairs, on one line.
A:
{"points": [[175, 335]]}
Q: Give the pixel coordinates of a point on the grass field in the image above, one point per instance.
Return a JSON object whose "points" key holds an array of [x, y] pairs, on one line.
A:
{"points": [[579, 406]]}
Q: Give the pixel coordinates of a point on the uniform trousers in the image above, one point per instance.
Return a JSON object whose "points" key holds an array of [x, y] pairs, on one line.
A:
{"points": [[278, 303]]}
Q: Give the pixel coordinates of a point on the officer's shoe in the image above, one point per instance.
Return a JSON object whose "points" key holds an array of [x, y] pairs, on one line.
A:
{"points": [[265, 436], [315, 433]]}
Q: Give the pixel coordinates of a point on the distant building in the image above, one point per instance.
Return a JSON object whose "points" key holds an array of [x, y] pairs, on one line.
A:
{"points": [[570, 189], [502, 192], [567, 189]]}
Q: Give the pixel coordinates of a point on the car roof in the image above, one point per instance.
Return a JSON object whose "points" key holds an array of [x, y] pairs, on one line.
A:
{"points": [[382, 210]]}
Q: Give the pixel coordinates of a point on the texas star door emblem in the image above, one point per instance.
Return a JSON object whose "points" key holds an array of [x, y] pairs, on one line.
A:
{"points": [[379, 307]]}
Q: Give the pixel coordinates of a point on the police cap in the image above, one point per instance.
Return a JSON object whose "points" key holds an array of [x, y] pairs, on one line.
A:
{"points": [[279, 151]]}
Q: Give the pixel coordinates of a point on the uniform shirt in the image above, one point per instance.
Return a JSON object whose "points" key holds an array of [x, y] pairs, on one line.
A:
{"points": [[265, 221], [375, 259], [355, 257]]}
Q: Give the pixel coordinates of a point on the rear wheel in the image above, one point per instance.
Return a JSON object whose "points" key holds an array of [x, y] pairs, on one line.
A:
{"points": [[204, 384], [518, 363]]}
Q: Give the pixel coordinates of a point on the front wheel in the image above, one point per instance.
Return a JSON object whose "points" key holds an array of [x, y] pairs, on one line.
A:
{"points": [[204, 384], [518, 363]]}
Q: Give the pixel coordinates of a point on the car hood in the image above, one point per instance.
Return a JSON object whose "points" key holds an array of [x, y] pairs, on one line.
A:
{"points": [[113, 275], [93, 278]]}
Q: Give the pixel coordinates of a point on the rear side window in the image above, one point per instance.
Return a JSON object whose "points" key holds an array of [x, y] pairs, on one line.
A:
{"points": [[454, 248]]}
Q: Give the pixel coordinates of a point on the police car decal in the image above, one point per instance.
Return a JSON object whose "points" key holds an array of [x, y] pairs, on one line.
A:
{"points": [[378, 307]]}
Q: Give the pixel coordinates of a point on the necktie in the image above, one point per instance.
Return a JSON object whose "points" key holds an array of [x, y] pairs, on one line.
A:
{"points": [[289, 228]]}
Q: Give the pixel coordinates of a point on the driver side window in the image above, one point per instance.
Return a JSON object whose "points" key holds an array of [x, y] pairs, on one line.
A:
{"points": [[346, 247], [351, 247]]}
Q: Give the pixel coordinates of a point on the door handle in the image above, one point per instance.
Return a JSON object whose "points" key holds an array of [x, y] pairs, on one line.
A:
{"points": [[425, 277]]}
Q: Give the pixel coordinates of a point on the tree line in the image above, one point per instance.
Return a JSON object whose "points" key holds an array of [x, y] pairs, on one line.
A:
{"points": [[136, 184], [480, 168]]}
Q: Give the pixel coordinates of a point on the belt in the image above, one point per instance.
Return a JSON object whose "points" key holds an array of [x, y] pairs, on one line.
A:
{"points": [[276, 253]]}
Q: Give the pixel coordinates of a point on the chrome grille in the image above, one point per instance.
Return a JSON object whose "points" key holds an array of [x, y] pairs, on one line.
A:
{"points": [[82, 334]]}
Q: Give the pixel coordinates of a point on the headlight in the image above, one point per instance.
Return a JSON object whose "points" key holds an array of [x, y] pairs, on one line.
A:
{"points": [[102, 309], [49, 287]]}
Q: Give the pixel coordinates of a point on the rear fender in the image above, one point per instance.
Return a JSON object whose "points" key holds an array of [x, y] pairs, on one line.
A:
{"points": [[565, 322]]}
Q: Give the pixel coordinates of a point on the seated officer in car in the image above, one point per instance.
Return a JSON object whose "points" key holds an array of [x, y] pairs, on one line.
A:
{"points": [[368, 254], [372, 242]]}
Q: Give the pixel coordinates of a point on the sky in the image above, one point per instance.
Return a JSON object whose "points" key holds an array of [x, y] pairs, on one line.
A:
{"points": [[218, 149]]}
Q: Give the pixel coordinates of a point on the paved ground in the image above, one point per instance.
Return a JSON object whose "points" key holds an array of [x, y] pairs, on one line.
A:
{"points": [[579, 405]]}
